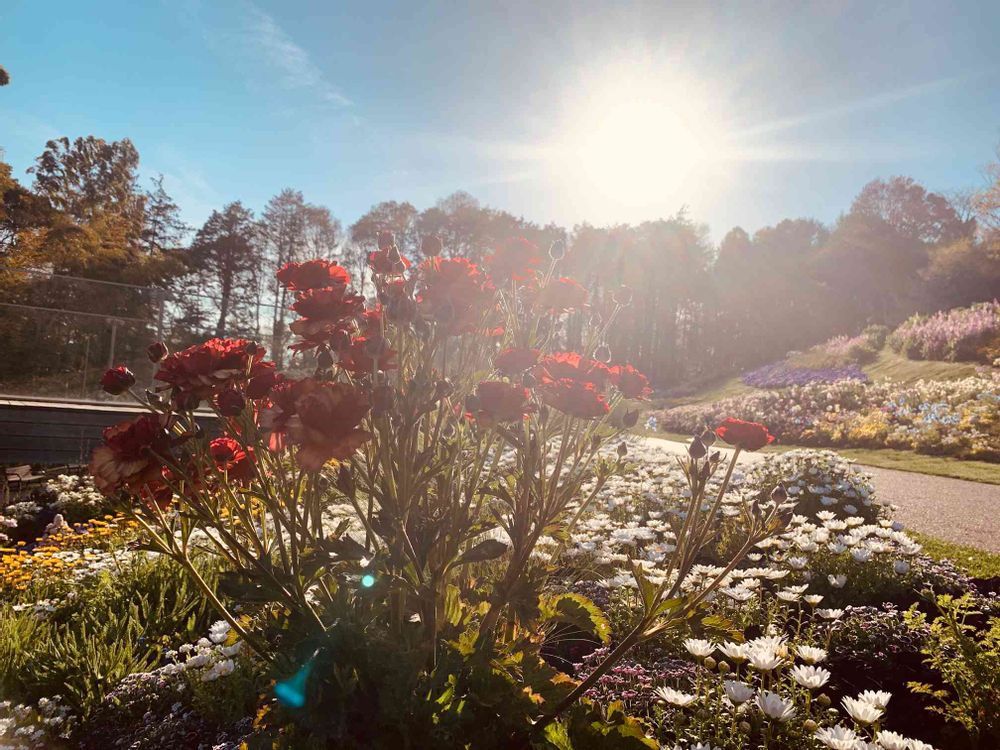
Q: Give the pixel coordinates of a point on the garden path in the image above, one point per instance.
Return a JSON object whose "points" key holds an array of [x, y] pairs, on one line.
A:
{"points": [[953, 510]]}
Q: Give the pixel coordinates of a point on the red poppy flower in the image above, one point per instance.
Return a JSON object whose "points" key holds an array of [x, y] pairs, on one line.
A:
{"points": [[313, 274], [360, 357], [562, 294], [750, 436], [515, 361], [454, 292], [515, 258], [117, 380], [131, 455], [201, 371], [574, 397], [232, 459], [572, 366], [326, 424], [631, 382], [497, 402]]}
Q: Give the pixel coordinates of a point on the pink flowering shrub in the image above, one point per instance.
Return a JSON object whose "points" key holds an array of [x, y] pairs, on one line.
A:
{"points": [[962, 334]]}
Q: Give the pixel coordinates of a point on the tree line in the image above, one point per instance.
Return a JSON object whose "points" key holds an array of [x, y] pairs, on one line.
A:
{"points": [[697, 310]]}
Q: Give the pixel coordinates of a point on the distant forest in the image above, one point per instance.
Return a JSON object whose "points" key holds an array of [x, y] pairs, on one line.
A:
{"points": [[698, 310]]}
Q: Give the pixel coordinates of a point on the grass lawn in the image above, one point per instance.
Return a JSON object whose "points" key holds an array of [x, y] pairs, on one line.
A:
{"points": [[888, 458], [975, 562]]}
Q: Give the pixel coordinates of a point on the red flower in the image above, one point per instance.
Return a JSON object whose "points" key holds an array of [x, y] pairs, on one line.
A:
{"points": [[263, 377], [750, 436], [313, 274], [631, 382], [562, 294], [387, 262], [360, 358], [572, 366], [497, 402], [330, 304], [324, 312], [515, 361], [131, 455], [326, 423], [232, 459], [455, 293], [574, 397], [201, 371], [117, 380], [230, 402], [156, 351], [515, 259], [281, 407]]}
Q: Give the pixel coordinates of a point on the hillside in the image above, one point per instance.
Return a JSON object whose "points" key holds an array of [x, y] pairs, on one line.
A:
{"points": [[887, 366]]}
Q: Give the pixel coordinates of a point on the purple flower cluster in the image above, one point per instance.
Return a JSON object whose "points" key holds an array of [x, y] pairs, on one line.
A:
{"points": [[959, 334], [633, 682], [783, 375]]}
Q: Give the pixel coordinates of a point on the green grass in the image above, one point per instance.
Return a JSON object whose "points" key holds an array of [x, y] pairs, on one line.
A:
{"points": [[889, 458], [892, 366], [976, 562]]}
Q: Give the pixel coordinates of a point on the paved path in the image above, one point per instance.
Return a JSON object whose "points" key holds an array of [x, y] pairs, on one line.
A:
{"points": [[954, 510]]}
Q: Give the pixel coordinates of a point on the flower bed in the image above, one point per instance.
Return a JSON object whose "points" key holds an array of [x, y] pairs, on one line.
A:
{"points": [[963, 334], [957, 418], [819, 639], [783, 375], [426, 535]]}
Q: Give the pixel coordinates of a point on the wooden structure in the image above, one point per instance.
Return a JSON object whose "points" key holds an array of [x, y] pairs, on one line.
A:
{"points": [[44, 432]]}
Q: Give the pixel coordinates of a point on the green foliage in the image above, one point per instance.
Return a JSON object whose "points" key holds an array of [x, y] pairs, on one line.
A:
{"points": [[110, 627], [967, 659]]}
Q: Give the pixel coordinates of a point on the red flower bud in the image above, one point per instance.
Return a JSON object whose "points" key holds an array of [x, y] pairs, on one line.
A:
{"points": [[431, 246], [156, 351], [117, 380]]}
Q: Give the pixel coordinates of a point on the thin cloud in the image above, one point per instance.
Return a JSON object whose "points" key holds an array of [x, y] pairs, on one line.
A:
{"points": [[296, 68], [256, 44]]}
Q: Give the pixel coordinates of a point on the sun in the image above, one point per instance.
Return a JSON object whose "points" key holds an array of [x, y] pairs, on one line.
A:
{"points": [[640, 139]]}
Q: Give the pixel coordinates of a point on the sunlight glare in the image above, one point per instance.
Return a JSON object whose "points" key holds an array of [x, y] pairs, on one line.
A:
{"points": [[640, 141]]}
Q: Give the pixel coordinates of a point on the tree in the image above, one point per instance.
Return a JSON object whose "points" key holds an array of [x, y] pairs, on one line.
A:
{"points": [[913, 212], [392, 216], [225, 265], [90, 177], [163, 228], [986, 202], [292, 230]]}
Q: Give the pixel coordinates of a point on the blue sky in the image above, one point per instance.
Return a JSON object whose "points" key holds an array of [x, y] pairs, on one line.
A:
{"points": [[746, 113]]}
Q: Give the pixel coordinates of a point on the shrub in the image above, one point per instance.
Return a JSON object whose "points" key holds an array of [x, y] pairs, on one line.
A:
{"points": [[961, 334], [967, 660]]}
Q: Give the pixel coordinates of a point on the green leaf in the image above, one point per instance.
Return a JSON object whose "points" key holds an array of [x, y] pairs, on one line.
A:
{"points": [[577, 610], [488, 549], [345, 548]]}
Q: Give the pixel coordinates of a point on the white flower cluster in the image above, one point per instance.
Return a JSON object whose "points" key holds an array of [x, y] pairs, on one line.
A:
{"points": [[23, 726], [210, 658], [75, 492]]}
